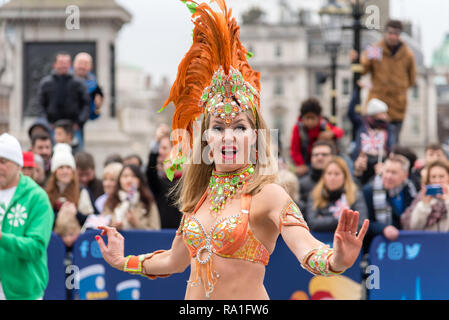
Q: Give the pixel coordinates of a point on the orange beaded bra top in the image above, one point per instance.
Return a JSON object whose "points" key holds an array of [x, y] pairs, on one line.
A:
{"points": [[229, 237]]}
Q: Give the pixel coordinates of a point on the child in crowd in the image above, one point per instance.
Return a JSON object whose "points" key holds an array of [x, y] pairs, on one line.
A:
{"points": [[64, 133], [310, 127], [68, 228], [433, 152]]}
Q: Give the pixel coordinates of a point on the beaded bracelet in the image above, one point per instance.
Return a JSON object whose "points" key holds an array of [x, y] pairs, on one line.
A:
{"points": [[317, 262], [134, 265]]}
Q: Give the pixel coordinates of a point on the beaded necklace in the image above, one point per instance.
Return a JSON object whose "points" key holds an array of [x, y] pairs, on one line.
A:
{"points": [[224, 185]]}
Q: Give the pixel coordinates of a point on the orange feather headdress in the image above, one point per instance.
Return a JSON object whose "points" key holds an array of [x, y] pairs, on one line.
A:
{"points": [[212, 77]]}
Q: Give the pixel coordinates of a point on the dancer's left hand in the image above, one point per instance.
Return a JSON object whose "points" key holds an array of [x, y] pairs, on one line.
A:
{"points": [[113, 252], [347, 243]]}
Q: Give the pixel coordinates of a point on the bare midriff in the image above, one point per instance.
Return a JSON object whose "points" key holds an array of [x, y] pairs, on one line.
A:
{"points": [[249, 285]]}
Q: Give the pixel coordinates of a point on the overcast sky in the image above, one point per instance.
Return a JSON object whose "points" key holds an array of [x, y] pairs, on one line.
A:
{"points": [[160, 32]]}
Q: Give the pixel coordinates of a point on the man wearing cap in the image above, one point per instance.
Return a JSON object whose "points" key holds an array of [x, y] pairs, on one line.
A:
{"points": [[26, 220], [39, 127], [374, 137], [29, 167]]}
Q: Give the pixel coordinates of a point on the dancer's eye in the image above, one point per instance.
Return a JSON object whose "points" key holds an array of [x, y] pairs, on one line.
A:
{"points": [[240, 128], [217, 128]]}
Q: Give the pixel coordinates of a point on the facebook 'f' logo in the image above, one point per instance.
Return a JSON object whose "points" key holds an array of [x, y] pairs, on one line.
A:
{"points": [[381, 251], [84, 248]]}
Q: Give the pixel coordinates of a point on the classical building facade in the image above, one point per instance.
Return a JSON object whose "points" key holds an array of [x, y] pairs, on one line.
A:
{"points": [[292, 60], [440, 63], [34, 31]]}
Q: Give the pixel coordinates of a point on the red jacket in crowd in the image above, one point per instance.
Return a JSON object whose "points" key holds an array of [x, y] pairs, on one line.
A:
{"points": [[299, 152]]}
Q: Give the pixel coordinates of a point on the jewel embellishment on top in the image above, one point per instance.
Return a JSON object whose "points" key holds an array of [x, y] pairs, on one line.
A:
{"points": [[223, 186], [228, 95]]}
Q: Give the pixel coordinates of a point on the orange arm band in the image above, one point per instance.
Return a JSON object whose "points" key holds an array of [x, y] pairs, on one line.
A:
{"points": [[134, 265]]}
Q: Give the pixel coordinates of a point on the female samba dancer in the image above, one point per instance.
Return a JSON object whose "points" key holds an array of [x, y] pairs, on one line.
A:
{"points": [[233, 213]]}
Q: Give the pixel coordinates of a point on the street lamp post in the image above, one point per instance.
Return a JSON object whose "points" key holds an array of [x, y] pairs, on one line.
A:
{"points": [[357, 13], [332, 48], [331, 24]]}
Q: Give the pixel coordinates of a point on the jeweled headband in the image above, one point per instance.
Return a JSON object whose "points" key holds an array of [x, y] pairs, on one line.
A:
{"points": [[228, 95]]}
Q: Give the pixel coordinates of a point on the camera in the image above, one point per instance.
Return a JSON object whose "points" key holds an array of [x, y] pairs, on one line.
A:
{"points": [[434, 189]]}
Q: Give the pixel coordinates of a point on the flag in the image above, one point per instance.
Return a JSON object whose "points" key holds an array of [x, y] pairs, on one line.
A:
{"points": [[374, 53], [373, 142]]}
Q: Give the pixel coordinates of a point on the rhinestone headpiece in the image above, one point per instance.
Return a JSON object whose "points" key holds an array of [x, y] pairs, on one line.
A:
{"points": [[228, 95]]}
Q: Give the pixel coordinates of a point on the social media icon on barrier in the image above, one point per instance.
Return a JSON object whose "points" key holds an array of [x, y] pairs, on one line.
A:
{"points": [[395, 251], [381, 250], [84, 248], [412, 251], [128, 290], [92, 283], [95, 250]]}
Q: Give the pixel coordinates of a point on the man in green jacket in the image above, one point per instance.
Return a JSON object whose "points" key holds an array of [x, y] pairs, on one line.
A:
{"points": [[26, 220]]}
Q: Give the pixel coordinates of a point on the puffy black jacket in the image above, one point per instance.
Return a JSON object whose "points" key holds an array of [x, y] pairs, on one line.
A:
{"points": [[71, 103]]}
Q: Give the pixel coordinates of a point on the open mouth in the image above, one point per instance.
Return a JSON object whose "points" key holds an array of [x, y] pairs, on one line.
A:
{"points": [[228, 152]]}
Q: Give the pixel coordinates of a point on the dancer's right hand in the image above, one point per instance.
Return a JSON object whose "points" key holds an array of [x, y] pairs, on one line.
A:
{"points": [[113, 253]]}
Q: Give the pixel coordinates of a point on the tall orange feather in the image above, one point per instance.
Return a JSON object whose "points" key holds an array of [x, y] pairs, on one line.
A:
{"points": [[216, 42]]}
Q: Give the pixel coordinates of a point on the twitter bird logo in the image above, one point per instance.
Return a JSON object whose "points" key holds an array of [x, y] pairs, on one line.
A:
{"points": [[412, 251]]}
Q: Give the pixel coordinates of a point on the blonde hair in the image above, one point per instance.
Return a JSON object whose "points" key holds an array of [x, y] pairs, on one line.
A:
{"points": [[195, 177], [320, 191], [289, 181], [65, 223], [112, 169]]}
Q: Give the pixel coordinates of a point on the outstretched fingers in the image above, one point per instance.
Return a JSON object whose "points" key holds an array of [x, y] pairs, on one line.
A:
{"points": [[101, 244], [349, 220], [355, 222], [363, 230], [109, 231], [106, 230], [342, 221]]}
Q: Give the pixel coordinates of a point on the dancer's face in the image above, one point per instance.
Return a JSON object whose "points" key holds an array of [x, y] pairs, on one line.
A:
{"points": [[230, 144]]}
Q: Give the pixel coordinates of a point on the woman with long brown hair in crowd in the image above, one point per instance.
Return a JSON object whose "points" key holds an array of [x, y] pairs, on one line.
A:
{"points": [[334, 192], [132, 205]]}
